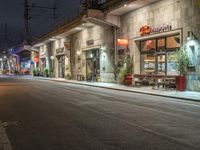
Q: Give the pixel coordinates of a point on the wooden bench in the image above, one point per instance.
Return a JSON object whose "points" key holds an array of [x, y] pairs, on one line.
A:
{"points": [[167, 83]]}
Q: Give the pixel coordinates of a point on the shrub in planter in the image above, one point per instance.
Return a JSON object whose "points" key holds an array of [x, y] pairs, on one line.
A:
{"points": [[46, 72], [16, 72], [126, 70], [183, 62], [68, 76], [35, 72]]}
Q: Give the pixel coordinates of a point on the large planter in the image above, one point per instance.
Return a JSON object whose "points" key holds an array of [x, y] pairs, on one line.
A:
{"points": [[181, 83], [128, 79]]}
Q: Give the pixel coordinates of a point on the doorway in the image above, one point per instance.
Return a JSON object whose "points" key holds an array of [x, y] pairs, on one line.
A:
{"points": [[61, 66], [92, 65]]}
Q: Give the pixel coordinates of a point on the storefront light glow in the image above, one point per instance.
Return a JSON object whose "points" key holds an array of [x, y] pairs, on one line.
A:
{"points": [[103, 48], [122, 42], [78, 52], [52, 57]]}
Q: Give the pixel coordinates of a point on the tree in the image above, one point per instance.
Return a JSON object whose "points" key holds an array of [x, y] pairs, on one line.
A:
{"points": [[183, 61]]}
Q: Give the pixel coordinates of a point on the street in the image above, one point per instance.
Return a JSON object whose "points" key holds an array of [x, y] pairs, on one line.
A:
{"points": [[47, 115]]}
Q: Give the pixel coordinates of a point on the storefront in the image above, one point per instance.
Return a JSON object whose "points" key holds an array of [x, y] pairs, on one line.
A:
{"points": [[92, 65], [14, 63], [43, 60], [93, 53], [25, 65], [157, 51], [60, 56], [156, 31]]}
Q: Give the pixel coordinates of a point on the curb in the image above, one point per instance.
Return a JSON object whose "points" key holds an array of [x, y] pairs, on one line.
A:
{"points": [[124, 90]]}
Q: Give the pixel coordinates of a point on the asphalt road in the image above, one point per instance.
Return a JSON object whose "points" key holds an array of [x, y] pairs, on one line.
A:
{"points": [[46, 115]]}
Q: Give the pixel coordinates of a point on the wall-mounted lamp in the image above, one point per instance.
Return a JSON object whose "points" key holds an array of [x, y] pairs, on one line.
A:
{"points": [[91, 55], [52, 58], [78, 52]]}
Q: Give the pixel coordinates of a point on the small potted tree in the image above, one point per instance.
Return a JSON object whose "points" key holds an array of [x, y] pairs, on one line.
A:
{"points": [[183, 62], [126, 71], [35, 72], [46, 72]]}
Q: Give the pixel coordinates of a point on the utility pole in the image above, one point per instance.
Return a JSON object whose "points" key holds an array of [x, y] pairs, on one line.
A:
{"points": [[27, 17], [26, 22], [54, 11], [6, 34]]}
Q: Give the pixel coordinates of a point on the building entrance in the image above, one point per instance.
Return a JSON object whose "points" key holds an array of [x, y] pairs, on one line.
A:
{"points": [[92, 65], [61, 66]]}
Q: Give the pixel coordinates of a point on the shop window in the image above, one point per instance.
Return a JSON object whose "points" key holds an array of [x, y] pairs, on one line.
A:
{"points": [[173, 42], [161, 44], [148, 45], [171, 64], [148, 64], [161, 64]]}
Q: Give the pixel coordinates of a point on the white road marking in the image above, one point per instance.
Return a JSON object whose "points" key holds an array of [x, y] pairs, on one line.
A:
{"points": [[4, 141]]}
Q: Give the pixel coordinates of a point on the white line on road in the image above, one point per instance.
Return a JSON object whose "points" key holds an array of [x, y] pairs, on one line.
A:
{"points": [[4, 141]]}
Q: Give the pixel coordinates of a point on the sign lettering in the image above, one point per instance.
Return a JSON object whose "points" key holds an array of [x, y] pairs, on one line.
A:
{"points": [[90, 42], [122, 42], [60, 51], [147, 30]]}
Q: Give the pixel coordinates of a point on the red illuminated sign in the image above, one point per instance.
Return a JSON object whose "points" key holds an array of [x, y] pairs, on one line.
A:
{"points": [[145, 30], [36, 59], [122, 42]]}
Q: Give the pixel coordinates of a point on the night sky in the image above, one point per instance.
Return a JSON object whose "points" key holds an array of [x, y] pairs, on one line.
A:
{"points": [[11, 12]]}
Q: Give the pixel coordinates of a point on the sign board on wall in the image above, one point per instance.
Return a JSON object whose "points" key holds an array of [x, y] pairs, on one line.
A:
{"points": [[122, 42], [60, 51], [147, 30], [90, 42], [67, 45]]}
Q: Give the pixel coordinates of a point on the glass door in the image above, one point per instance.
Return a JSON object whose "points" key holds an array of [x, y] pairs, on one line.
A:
{"points": [[89, 69], [61, 66], [161, 65], [92, 65]]}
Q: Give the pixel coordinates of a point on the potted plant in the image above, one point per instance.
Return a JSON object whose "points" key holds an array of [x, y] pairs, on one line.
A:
{"points": [[35, 72], [46, 72], [16, 72], [183, 62], [126, 71]]}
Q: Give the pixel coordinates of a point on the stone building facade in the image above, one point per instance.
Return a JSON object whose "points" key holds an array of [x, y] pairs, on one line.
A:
{"points": [[183, 17], [88, 50]]}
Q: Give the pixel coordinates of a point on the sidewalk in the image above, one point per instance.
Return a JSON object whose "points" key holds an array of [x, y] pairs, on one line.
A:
{"points": [[187, 95]]}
